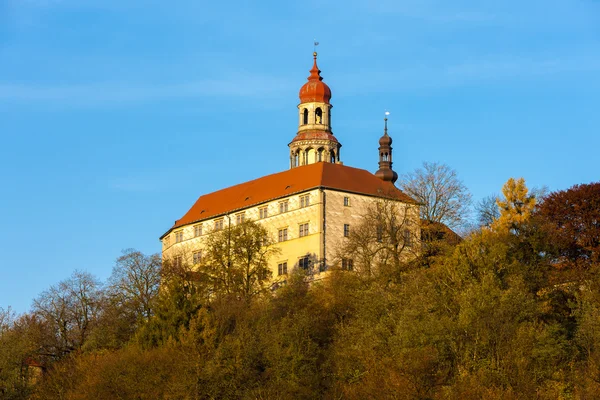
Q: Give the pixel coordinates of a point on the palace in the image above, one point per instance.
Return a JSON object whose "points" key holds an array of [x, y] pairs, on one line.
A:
{"points": [[309, 208]]}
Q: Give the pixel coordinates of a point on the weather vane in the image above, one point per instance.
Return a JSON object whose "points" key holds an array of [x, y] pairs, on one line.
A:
{"points": [[315, 44]]}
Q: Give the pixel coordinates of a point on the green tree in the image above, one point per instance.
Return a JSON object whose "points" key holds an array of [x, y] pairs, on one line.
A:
{"points": [[235, 260]]}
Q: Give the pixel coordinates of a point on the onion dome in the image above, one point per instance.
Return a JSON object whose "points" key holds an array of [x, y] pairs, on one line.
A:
{"points": [[315, 89]]}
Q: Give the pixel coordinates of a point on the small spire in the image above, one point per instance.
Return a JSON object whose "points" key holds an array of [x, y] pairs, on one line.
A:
{"points": [[315, 72], [385, 123]]}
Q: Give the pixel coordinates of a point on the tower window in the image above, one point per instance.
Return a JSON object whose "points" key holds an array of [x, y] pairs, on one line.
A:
{"points": [[346, 230], [318, 116], [305, 117]]}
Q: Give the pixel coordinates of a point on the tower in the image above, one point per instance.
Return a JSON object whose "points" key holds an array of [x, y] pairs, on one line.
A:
{"points": [[385, 171], [314, 141]]}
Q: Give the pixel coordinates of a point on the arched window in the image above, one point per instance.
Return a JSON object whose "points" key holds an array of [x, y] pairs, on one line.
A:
{"points": [[385, 157], [332, 157], [296, 159], [318, 116], [320, 155], [305, 117]]}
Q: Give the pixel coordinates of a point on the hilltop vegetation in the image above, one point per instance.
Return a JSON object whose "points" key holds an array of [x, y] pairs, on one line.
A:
{"points": [[510, 312]]}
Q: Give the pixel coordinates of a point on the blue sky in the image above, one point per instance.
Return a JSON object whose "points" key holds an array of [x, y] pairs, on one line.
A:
{"points": [[116, 115]]}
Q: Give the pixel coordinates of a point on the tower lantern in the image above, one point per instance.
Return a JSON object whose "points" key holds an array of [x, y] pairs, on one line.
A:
{"points": [[385, 171], [314, 141]]}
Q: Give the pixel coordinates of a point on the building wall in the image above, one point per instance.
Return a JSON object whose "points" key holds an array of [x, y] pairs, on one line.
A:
{"points": [[291, 250], [338, 213], [327, 209]]}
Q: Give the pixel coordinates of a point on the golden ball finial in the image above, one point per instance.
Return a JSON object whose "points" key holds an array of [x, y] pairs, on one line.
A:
{"points": [[314, 54]]}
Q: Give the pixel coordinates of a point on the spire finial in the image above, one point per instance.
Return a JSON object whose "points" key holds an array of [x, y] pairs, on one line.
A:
{"points": [[385, 123]]}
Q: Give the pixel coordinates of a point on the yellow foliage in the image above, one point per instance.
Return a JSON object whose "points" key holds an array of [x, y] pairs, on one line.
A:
{"points": [[516, 208]]}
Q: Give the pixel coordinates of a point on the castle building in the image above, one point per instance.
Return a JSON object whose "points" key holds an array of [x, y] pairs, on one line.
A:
{"points": [[309, 208]]}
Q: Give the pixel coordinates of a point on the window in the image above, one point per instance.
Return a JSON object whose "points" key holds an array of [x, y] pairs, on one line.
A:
{"points": [[347, 264], [407, 238], [240, 218], [197, 257], [178, 261], [219, 224], [303, 229], [380, 233], [197, 230], [282, 235], [283, 206], [304, 262], [346, 230], [305, 117], [282, 268], [346, 201], [318, 116], [179, 236], [167, 240], [263, 212], [304, 201]]}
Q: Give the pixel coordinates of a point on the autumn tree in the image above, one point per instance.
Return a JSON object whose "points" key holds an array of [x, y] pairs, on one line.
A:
{"points": [[385, 240], [515, 208], [235, 260], [487, 210], [443, 197], [135, 281], [70, 308], [572, 217]]}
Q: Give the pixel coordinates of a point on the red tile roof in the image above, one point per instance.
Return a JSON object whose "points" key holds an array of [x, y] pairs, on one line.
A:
{"points": [[301, 179]]}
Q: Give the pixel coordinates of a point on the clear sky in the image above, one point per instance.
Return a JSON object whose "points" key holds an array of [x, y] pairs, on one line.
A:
{"points": [[116, 115]]}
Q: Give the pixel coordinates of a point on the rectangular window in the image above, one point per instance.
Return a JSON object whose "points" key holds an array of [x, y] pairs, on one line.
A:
{"points": [[219, 224], [240, 218], [283, 206], [197, 257], [179, 236], [380, 234], [282, 268], [263, 212], [346, 230], [197, 230], [304, 201], [283, 235], [347, 264], [407, 238], [167, 240], [346, 201], [303, 229], [304, 262], [178, 261]]}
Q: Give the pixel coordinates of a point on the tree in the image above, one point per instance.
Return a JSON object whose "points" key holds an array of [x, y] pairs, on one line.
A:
{"points": [[516, 208], [487, 210], [443, 197], [70, 308], [235, 260], [383, 243], [135, 281], [572, 217]]}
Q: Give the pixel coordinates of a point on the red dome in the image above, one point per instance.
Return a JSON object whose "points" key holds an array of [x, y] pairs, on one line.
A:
{"points": [[315, 89]]}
